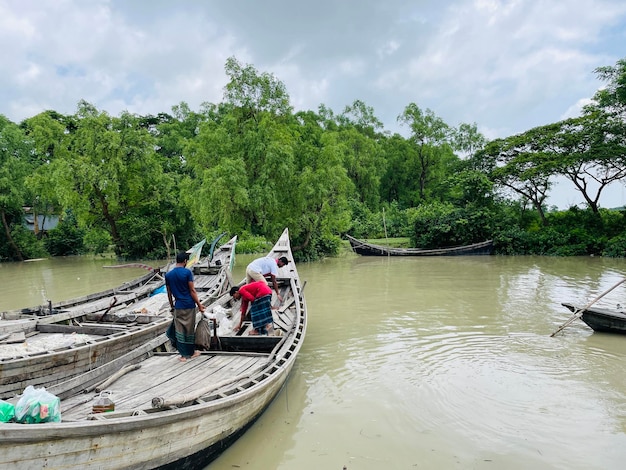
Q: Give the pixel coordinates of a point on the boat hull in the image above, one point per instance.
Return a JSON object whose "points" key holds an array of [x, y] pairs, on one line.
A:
{"points": [[363, 248], [168, 413], [601, 320], [104, 329], [184, 438]]}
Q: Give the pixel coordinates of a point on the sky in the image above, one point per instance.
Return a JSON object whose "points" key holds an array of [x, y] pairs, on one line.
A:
{"points": [[505, 65]]}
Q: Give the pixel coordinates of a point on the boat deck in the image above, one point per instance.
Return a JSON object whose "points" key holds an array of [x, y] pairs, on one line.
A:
{"points": [[163, 375]]}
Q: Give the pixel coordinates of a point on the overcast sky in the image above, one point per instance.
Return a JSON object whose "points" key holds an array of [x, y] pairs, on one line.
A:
{"points": [[506, 65]]}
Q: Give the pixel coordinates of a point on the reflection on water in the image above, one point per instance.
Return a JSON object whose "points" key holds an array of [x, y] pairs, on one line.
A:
{"points": [[437, 363]]}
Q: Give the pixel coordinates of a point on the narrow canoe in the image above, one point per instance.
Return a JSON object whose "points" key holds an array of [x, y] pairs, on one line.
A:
{"points": [[364, 248]]}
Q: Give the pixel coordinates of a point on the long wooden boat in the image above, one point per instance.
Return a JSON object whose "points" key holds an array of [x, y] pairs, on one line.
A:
{"points": [[49, 349], [364, 248], [601, 319], [167, 414]]}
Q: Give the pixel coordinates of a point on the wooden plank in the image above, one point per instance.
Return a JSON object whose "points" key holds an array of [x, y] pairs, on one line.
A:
{"points": [[12, 338], [86, 329]]}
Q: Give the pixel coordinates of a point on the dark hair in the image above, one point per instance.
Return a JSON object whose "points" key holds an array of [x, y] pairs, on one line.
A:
{"points": [[182, 256], [284, 260], [233, 290]]}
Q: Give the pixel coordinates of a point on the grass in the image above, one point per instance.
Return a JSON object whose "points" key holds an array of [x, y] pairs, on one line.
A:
{"points": [[400, 242]]}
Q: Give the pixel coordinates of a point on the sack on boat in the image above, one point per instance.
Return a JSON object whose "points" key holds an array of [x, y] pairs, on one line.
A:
{"points": [[38, 406], [226, 327], [7, 411], [203, 335]]}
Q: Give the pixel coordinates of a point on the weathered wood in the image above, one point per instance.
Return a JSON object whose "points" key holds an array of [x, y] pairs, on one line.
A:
{"points": [[13, 338], [83, 338], [206, 403]]}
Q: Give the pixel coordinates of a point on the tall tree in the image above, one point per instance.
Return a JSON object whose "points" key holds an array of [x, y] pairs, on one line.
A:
{"points": [[111, 178], [15, 152], [516, 164], [467, 139], [429, 134], [590, 151], [47, 131], [254, 92]]}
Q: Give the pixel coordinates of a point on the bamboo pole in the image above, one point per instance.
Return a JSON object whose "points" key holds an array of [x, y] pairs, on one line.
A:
{"points": [[579, 313]]}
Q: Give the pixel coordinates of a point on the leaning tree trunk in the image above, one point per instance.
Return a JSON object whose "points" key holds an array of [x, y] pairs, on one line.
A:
{"points": [[7, 231]]}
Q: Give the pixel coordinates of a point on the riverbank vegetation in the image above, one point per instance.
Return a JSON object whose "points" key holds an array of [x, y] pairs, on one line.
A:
{"points": [[250, 165]]}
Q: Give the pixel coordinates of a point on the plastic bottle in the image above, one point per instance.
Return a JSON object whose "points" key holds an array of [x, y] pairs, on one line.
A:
{"points": [[104, 402]]}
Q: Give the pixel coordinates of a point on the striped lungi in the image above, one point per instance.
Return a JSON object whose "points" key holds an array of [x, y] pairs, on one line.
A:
{"points": [[182, 331], [261, 313]]}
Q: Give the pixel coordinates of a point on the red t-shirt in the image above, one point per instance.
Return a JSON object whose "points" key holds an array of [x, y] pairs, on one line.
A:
{"points": [[252, 291]]}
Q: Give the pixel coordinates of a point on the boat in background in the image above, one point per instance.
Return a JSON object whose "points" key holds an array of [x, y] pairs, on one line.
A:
{"points": [[166, 413], [45, 350], [601, 319], [364, 248]]}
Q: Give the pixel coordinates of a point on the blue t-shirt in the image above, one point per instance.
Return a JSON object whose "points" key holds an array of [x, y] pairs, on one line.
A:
{"points": [[178, 281]]}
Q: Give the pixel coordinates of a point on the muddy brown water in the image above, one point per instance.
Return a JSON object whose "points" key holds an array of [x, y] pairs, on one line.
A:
{"points": [[423, 363]]}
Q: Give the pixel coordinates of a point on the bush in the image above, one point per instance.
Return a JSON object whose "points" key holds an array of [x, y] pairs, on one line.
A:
{"points": [[97, 241], [616, 247], [27, 241], [247, 243], [66, 238]]}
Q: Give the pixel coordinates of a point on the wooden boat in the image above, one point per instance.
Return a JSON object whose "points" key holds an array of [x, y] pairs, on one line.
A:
{"points": [[168, 414], [364, 248], [601, 319], [49, 349]]}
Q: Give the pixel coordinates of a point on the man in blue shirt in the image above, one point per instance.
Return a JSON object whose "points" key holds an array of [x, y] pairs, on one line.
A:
{"points": [[183, 299]]}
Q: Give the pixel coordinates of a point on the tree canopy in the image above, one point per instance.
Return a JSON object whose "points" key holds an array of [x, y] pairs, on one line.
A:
{"points": [[250, 165]]}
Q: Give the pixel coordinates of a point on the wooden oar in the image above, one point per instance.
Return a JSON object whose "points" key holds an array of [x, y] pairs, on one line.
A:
{"points": [[579, 313]]}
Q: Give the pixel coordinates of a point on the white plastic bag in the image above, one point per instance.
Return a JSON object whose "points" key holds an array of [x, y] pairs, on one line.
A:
{"points": [[37, 405]]}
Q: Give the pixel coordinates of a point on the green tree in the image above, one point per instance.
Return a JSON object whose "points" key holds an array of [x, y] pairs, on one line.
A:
{"points": [[467, 139], [111, 179], [430, 136], [253, 92], [590, 151], [15, 151], [47, 131], [517, 164]]}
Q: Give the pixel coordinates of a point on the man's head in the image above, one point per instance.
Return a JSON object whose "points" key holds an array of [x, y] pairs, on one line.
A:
{"points": [[182, 257], [234, 292], [282, 261]]}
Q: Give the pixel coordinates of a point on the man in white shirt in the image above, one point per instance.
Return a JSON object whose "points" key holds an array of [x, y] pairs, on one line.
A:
{"points": [[266, 266]]}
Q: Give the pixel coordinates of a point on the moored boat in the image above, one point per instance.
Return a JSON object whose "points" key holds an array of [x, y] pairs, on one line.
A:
{"points": [[601, 319], [167, 414], [364, 248], [45, 350]]}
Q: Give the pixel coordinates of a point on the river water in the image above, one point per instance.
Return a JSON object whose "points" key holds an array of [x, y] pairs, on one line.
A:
{"points": [[423, 363]]}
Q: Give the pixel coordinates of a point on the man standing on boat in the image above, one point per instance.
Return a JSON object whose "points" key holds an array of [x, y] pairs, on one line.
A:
{"points": [[180, 287], [266, 266], [258, 295]]}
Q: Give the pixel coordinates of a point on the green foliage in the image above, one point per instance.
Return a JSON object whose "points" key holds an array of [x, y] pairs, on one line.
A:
{"points": [[247, 243], [67, 238], [97, 241], [250, 166], [364, 222], [29, 245], [574, 232], [443, 225], [615, 247], [322, 246]]}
